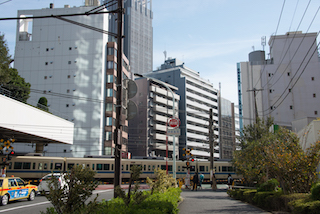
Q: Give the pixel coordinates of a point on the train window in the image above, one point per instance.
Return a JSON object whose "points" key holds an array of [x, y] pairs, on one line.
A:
{"points": [[17, 165], [26, 165], [70, 165], [149, 167], [45, 166], [40, 166], [163, 167], [92, 166], [201, 169], [112, 167], [224, 169], [51, 165], [153, 167], [178, 168], [207, 169], [144, 167], [107, 166], [122, 167], [99, 166], [10, 165], [58, 166], [127, 167], [230, 169], [33, 165], [88, 165], [219, 169]]}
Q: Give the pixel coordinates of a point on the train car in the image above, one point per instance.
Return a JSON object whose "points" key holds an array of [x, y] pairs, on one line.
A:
{"points": [[35, 167]]}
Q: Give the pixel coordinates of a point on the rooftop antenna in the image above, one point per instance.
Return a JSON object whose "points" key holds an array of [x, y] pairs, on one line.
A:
{"points": [[165, 55], [263, 42]]}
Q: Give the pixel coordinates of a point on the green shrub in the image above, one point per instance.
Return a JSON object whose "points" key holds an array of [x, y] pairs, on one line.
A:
{"points": [[269, 185], [249, 195], [315, 191], [305, 205], [157, 203], [260, 198]]}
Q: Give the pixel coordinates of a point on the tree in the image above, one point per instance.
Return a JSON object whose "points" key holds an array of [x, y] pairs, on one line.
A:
{"points": [[9, 77], [276, 155], [72, 197], [43, 103]]}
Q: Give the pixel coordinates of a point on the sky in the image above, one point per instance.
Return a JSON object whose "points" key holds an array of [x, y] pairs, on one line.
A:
{"points": [[209, 36]]}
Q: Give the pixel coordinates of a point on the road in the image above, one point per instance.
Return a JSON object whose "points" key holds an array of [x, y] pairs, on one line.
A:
{"points": [[40, 203]]}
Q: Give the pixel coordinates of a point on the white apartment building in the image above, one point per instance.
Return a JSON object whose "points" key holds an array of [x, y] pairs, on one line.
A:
{"points": [[148, 130], [197, 97], [286, 85], [74, 68]]}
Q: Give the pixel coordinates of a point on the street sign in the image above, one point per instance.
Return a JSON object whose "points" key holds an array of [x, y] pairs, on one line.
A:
{"points": [[175, 132], [174, 122]]}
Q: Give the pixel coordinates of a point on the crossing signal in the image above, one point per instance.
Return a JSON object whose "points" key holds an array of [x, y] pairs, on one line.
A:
{"points": [[192, 159], [187, 163], [11, 153]]}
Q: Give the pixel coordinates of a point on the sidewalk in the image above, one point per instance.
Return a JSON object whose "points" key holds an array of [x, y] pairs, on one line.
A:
{"points": [[207, 201]]}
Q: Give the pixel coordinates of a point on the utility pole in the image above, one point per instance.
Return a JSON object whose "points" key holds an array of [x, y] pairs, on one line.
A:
{"points": [[211, 143], [117, 132], [255, 102]]}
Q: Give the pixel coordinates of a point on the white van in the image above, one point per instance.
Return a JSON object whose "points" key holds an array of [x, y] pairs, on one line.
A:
{"points": [[45, 181]]}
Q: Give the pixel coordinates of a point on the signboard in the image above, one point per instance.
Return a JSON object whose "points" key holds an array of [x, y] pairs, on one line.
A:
{"points": [[175, 132], [174, 122]]}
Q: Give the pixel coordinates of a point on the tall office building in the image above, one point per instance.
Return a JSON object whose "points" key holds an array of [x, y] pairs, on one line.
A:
{"points": [[148, 130], [229, 128], [138, 32], [286, 85], [197, 97], [75, 69]]}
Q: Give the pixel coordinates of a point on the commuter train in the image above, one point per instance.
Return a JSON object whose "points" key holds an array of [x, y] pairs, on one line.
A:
{"points": [[35, 167]]}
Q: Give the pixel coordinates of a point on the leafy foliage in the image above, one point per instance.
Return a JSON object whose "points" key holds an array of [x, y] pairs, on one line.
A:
{"points": [[315, 191], [270, 185], [162, 182], [72, 197], [43, 104], [276, 155], [9, 77], [137, 196]]}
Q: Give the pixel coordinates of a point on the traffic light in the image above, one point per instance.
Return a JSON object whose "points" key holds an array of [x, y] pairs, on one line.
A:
{"points": [[192, 159], [11, 153]]}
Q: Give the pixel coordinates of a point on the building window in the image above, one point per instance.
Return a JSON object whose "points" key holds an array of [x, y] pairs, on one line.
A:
{"points": [[47, 49], [51, 62], [316, 112], [67, 105], [46, 63], [110, 65], [109, 106], [291, 107], [270, 90], [70, 48], [289, 89], [109, 121], [108, 135], [68, 90], [109, 92], [109, 78], [314, 95], [288, 74], [312, 78], [68, 76], [45, 77]]}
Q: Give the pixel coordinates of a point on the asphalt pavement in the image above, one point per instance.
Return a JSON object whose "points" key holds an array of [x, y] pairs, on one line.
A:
{"points": [[208, 201]]}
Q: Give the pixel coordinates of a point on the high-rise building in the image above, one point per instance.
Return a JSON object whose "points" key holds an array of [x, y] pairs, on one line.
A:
{"points": [[138, 32], [284, 86], [197, 97], [75, 69], [228, 128], [148, 130]]}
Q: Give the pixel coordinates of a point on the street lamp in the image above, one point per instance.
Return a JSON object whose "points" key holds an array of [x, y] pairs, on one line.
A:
{"points": [[173, 113]]}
